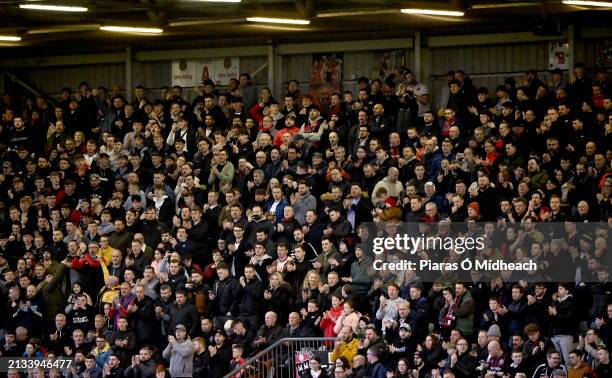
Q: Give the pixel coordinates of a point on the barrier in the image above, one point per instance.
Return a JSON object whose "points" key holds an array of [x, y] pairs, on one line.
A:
{"points": [[286, 358]]}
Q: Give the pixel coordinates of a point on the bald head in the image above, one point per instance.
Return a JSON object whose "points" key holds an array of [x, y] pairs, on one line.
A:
{"points": [[393, 174]]}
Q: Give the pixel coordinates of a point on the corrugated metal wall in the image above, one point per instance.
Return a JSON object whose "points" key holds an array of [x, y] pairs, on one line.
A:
{"points": [[51, 80], [153, 74], [491, 59], [587, 51], [487, 65]]}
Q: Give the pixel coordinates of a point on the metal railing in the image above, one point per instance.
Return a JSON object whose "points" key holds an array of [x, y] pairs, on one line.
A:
{"points": [[285, 358]]}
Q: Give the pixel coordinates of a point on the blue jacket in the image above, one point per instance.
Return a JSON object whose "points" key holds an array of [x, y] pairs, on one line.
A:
{"points": [[280, 208], [378, 370]]}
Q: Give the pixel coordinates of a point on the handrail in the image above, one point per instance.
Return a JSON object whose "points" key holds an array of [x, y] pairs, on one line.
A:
{"points": [[277, 343]]}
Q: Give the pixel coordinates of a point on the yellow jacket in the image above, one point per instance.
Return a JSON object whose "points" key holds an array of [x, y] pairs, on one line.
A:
{"points": [[348, 350], [106, 254]]}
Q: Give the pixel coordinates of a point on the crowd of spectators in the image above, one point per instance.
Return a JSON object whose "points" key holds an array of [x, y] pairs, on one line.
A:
{"points": [[160, 237]]}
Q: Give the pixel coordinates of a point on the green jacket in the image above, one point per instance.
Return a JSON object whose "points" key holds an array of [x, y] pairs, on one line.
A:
{"points": [[538, 180], [226, 174], [464, 311], [51, 291]]}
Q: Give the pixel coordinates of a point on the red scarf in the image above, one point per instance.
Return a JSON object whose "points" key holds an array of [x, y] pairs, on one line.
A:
{"points": [[310, 127]]}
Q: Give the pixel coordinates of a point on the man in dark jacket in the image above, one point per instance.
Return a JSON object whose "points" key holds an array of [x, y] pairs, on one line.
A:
{"points": [[419, 312], [142, 365], [143, 315], [58, 338], [123, 342], [376, 368], [152, 228], [379, 125], [201, 357], [563, 321], [252, 295], [243, 336], [225, 296], [112, 369], [268, 333], [462, 363], [184, 313], [220, 356], [162, 314], [198, 235], [358, 208], [338, 226]]}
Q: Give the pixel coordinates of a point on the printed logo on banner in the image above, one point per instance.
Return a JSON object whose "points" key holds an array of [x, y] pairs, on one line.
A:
{"points": [[183, 72], [302, 361], [219, 70]]}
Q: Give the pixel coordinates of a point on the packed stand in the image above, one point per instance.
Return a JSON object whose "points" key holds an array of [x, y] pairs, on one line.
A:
{"points": [[168, 238]]}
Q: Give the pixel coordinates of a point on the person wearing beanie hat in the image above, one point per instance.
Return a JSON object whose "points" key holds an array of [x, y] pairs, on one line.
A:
{"points": [[288, 125], [419, 364], [473, 210], [494, 331]]}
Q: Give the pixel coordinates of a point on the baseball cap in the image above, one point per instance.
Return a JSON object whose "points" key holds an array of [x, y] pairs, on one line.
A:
{"points": [[181, 327], [405, 326], [420, 90]]}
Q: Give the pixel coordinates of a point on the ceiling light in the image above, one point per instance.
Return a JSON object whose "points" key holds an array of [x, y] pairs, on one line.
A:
{"points": [[10, 38], [131, 29], [604, 4], [63, 28], [205, 21], [433, 12], [279, 20], [52, 8], [356, 12], [505, 5]]}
